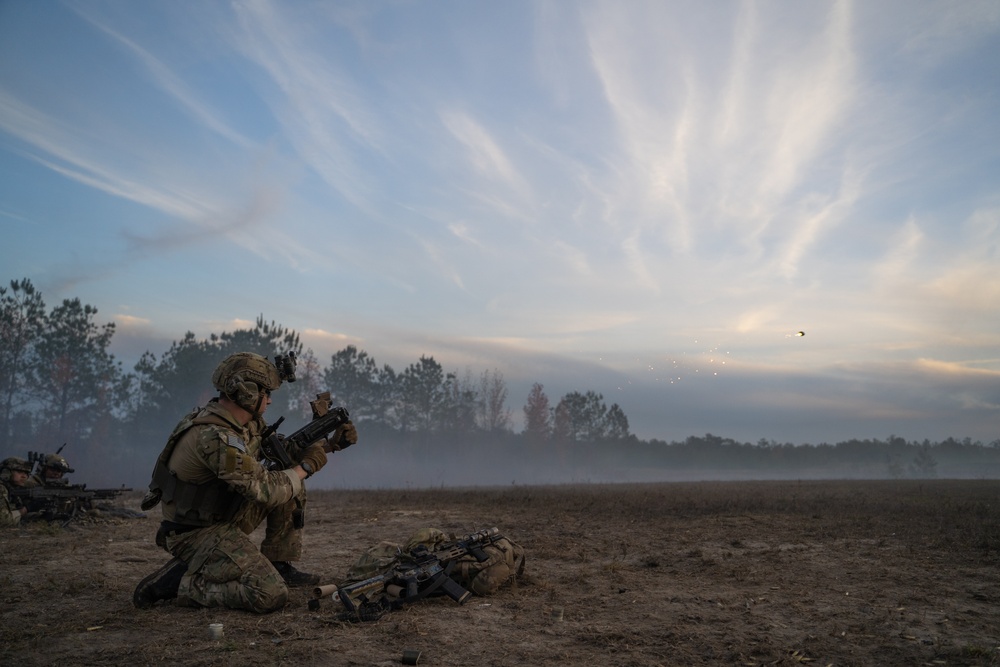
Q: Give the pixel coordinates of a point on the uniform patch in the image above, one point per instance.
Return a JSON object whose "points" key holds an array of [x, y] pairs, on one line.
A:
{"points": [[235, 441], [230, 465]]}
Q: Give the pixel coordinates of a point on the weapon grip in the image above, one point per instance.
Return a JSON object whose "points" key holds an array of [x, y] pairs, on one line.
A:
{"points": [[275, 450]]}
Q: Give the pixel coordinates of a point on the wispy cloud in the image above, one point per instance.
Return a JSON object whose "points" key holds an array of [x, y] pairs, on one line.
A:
{"points": [[901, 255], [65, 150], [163, 77], [131, 321], [462, 231], [484, 153], [14, 216], [932, 34], [322, 111], [805, 97], [324, 339], [75, 161], [818, 219], [723, 160], [657, 130]]}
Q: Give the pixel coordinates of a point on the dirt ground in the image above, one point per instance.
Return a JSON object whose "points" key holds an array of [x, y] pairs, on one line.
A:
{"points": [[748, 573]]}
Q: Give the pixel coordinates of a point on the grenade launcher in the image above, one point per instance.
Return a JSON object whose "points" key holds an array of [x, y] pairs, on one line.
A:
{"points": [[283, 452]]}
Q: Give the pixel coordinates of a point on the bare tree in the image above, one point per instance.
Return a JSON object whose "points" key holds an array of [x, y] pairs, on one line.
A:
{"points": [[308, 383], [460, 405], [494, 415], [537, 415]]}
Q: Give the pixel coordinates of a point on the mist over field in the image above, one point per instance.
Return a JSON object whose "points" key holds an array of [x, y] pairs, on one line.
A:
{"points": [[387, 462]]}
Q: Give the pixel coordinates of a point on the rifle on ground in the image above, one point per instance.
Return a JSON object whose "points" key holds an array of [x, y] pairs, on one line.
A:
{"points": [[61, 502], [283, 452], [419, 574]]}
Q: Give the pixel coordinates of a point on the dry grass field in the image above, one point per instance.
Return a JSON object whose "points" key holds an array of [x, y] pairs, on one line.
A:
{"points": [[734, 573]]}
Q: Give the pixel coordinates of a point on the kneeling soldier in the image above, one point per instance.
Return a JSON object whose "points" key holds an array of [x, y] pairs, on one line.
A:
{"points": [[215, 492]]}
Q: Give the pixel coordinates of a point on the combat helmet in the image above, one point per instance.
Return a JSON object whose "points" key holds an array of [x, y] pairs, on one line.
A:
{"points": [[13, 464], [56, 462], [243, 376]]}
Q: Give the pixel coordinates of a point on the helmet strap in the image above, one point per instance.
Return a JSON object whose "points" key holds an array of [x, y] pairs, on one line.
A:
{"points": [[257, 412]]}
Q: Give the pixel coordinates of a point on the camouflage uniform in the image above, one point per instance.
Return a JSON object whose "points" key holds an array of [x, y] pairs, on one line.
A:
{"points": [[10, 514], [10, 507], [215, 493], [224, 567]]}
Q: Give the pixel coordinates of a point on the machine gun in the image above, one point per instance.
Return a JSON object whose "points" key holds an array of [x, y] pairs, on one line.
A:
{"points": [[61, 502], [418, 574], [283, 452]]}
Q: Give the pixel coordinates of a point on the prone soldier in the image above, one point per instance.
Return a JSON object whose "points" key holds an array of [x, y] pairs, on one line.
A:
{"points": [[51, 471], [13, 474]]}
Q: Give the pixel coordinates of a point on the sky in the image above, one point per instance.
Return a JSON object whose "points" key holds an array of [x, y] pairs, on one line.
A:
{"points": [[648, 200]]}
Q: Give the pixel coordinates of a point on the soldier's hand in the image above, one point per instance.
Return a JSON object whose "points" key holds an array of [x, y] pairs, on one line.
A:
{"points": [[345, 436], [313, 458]]}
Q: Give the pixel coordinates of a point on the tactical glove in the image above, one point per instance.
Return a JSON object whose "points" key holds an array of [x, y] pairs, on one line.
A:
{"points": [[313, 459], [345, 436]]}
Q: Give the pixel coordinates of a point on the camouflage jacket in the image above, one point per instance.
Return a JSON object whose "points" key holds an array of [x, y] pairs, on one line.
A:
{"points": [[10, 509], [210, 449]]}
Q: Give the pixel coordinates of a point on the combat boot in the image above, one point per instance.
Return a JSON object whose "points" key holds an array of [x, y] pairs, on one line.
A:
{"points": [[294, 577], [161, 585]]}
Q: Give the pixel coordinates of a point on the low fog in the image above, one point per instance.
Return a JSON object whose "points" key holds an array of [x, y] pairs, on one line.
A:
{"points": [[398, 462]]}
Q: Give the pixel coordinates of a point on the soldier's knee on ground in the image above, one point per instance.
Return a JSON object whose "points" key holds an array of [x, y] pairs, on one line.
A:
{"points": [[267, 600]]}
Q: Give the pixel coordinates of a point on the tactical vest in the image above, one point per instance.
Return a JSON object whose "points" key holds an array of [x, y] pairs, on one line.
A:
{"points": [[194, 504]]}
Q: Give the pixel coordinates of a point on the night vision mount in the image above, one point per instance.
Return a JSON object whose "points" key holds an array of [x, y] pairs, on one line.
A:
{"points": [[285, 363]]}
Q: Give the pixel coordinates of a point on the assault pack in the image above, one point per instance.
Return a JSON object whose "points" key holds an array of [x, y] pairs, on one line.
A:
{"points": [[388, 576]]}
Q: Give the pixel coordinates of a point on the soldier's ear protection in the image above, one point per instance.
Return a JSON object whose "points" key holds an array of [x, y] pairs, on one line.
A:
{"points": [[245, 393]]}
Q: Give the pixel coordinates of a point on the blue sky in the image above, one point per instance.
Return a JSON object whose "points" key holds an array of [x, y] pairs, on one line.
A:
{"points": [[643, 199]]}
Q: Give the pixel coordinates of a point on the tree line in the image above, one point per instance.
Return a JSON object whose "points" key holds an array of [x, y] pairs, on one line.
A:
{"points": [[59, 383]]}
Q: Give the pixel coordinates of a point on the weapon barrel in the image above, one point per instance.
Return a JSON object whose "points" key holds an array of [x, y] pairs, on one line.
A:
{"points": [[324, 591], [104, 494]]}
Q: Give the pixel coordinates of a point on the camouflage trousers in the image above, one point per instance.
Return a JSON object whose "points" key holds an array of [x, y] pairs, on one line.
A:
{"points": [[225, 567]]}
